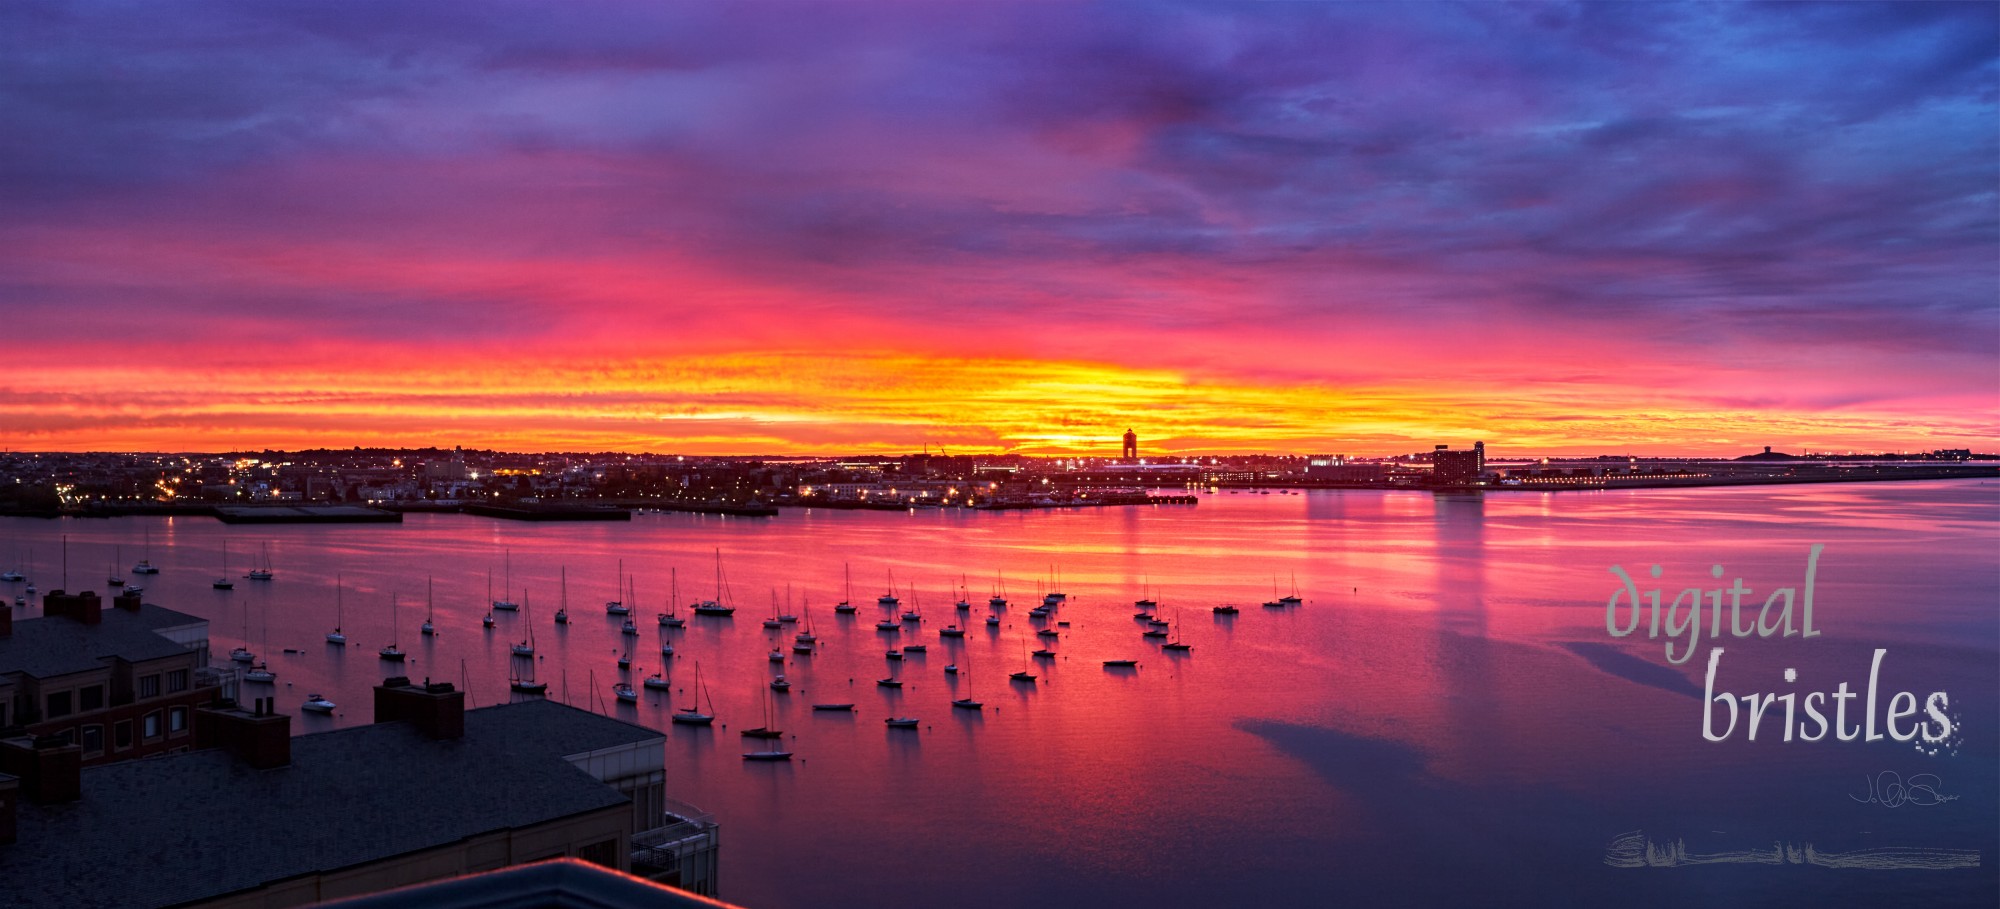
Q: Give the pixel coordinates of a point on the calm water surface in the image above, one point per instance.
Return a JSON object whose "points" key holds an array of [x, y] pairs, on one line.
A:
{"points": [[1444, 721]]}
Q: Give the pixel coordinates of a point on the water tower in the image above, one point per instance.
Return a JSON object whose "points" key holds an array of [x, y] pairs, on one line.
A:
{"points": [[1131, 445]]}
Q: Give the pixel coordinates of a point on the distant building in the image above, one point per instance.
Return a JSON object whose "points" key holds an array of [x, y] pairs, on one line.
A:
{"points": [[117, 683], [429, 791], [1131, 452], [1458, 468], [1341, 469]]}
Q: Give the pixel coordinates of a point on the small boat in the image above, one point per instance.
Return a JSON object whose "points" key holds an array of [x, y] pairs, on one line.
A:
{"points": [[951, 669], [891, 682], [264, 573], [1176, 643], [261, 673], [503, 604], [992, 620], [1048, 633], [843, 608], [562, 615], [773, 623], [1120, 664], [714, 607], [618, 607], [339, 615], [392, 653], [894, 654], [134, 589], [658, 682], [1144, 604], [691, 715], [625, 660], [1292, 599], [913, 617], [1044, 654], [951, 631], [111, 578], [915, 648], [779, 684], [831, 707], [765, 731], [1273, 604], [242, 655], [767, 755], [629, 628], [1023, 676], [802, 648], [12, 577], [317, 704], [487, 621], [901, 722], [1153, 633], [222, 582], [666, 650], [430, 609], [967, 704], [669, 620], [527, 647], [776, 655], [523, 686], [624, 692], [1157, 623], [1225, 609], [886, 625], [145, 567]]}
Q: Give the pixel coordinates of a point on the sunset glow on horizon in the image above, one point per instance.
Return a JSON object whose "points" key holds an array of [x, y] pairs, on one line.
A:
{"points": [[806, 229]]}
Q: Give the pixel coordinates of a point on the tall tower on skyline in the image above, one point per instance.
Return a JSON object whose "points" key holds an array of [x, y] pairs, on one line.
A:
{"points": [[1131, 445]]}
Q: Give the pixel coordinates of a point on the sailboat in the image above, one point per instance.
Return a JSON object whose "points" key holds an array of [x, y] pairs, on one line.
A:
{"points": [[430, 609], [336, 636], [787, 617], [774, 621], [888, 600], [915, 613], [999, 598], [765, 731], [846, 604], [1176, 643], [111, 577], [901, 722], [658, 682], [1292, 599], [222, 582], [715, 607], [527, 647], [967, 703], [393, 653], [503, 604], [526, 684], [145, 565], [806, 637], [692, 715], [618, 607], [625, 692], [259, 672], [669, 619], [317, 704], [263, 573], [1024, 675]]}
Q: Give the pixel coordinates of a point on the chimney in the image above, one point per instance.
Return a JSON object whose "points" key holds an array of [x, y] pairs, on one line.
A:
{"points": [[10, 792], [50, 767], [126, 601], [435, 708], [261, 736], [6, 622], [83, 607]]}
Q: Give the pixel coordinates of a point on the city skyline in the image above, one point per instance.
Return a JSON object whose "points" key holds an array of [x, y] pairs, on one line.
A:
{"points": [[1567, 230]]}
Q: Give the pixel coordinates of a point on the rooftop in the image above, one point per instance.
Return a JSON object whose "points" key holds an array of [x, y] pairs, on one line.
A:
{"points": [[52, 646], [182, 827]]}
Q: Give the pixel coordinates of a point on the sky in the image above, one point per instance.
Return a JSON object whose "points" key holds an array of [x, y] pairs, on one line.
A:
{"points": [[792, 228]]}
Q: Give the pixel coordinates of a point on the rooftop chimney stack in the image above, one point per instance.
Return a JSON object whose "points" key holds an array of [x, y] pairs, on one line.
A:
{"points": [[435, 708], [50, 768], [126, 601], [6, 622], [85, 607], [261, 736]]}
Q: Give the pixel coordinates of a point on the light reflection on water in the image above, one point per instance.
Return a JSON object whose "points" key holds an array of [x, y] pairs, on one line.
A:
{"points": [[1445, 719]]}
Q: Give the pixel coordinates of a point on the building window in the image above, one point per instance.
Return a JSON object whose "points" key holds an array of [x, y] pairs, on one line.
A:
{"points": [[151, 729], [177, 720], [177, 680], [93, 740], [91, 698], [604, 853], [121, 735], [59, 704], [149, 686]]}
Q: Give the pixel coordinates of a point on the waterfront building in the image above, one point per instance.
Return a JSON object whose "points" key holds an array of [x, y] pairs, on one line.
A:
{"points": [[1458, 468], [118, 683], [1131, 445]]}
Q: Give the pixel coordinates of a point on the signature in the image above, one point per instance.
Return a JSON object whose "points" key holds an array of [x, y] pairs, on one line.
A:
{"points": [[1890, 790]]}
